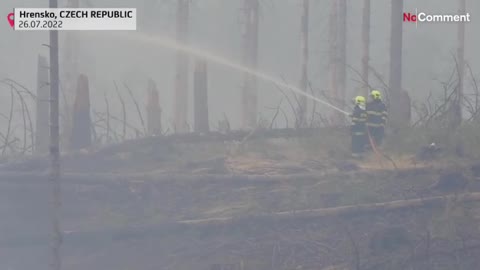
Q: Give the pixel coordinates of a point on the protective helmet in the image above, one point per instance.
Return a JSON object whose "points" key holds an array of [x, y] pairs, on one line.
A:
{"points": [[359, 100], [376, 94]]}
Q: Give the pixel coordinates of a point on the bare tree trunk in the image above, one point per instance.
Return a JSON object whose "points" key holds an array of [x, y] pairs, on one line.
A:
{"points": [[342, 55], [181, 77], [457, 104], [70, 61], [302, 108], [396, 43], [365, 46], [201, 97], [54, 150], [42, 118], [154, 111], [81, 123], [250, 38], [333, 58]]}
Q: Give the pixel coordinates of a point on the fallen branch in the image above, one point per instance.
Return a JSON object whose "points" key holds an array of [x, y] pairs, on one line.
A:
{"points": [[211, 226], [350, 210]]}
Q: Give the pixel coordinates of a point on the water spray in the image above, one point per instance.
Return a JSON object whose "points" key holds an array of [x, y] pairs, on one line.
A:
{"points": [[175, 45]]}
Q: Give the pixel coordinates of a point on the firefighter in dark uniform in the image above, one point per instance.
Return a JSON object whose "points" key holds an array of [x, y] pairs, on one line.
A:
{"points": [[358, 128], [376, 117]]}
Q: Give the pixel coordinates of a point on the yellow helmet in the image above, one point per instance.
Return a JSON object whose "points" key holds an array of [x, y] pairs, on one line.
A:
{"points": [[359, 100], [375, 94]]}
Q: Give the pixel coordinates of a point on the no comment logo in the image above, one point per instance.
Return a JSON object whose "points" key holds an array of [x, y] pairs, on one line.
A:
{"points": [[426, 17]]}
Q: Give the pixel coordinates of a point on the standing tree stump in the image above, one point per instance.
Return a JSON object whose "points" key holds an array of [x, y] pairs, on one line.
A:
{"points": [[81, 131], [154, 111], [200, 85], [42, 115]]}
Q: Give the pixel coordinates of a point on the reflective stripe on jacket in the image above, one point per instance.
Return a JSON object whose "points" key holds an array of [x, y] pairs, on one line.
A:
{"points": [[359, 118], [376, 114]]}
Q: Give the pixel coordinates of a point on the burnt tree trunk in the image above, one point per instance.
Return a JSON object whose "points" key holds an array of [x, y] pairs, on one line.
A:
{"points": [[70, 62], [42, 110], [456, 107], [302, 107], [200, 85], [333, 58], [54, 176], [342, 56], [250, 51], [365, 47], [154, 111], [81, 132], [397, 118], [181, 77]]}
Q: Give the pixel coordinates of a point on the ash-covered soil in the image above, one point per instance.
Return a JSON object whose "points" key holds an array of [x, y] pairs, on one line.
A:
{"points": [[125, 207]]}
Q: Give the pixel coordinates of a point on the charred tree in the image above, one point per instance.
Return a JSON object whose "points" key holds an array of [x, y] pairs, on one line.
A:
{"points": [[181, 76], [342, 55], [365, 47], [54, 176], [250, 56], [70, 62], [397, 115], [200, 85], [333, 58], [81, 131], [154, 111], [302, 107], [43, 96], [456, 106]]}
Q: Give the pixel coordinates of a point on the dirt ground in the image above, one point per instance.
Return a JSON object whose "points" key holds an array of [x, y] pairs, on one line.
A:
{"points": [[136, 207]]}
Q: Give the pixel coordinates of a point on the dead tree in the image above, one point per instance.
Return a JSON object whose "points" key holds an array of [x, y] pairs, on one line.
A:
{"points": [[154, 111], [200, 86], [397, 118], [342, 54], [54, 178], [181, 77], [70, 61], [250, 58], [43, 95], [456, 106], [302, 107], [333, 57], [81, 130], [365, 46]]}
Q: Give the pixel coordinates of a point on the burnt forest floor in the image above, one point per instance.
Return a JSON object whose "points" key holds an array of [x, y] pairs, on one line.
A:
{"points": [[124, 206]]}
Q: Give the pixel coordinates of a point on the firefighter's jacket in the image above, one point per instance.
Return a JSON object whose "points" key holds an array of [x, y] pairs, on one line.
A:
{"points": [[359, 118], [376, 114]]}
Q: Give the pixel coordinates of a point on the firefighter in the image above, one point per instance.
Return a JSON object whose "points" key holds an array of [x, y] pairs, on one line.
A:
{"points": [[358, 128], [376, 117]]}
